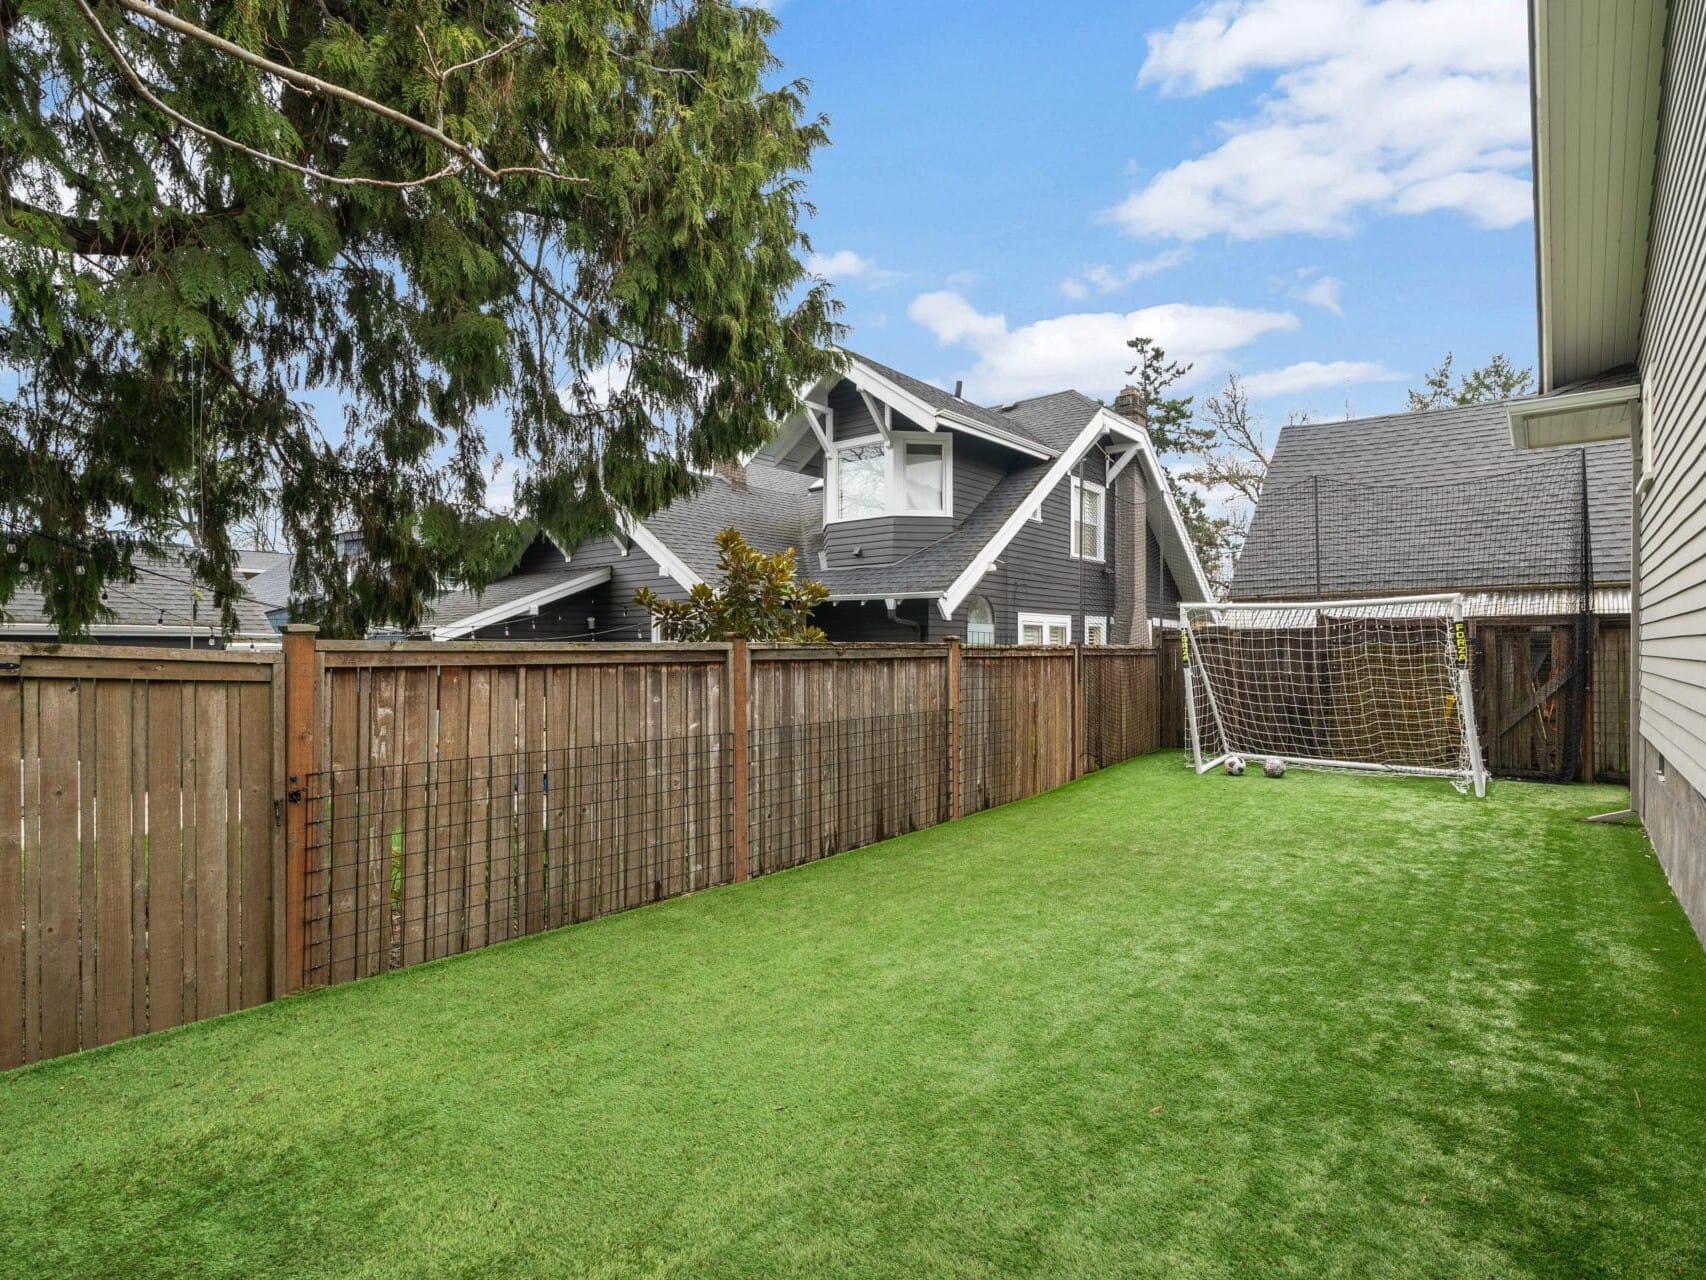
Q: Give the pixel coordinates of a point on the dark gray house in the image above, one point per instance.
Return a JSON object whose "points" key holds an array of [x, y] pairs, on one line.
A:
{"points": [[1043, 521]]}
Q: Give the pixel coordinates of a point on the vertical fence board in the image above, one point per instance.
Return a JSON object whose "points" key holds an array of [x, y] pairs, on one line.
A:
{"points": [[57, 940], [11, 875], [165, 857], [115, 857], [211, 853], [254, 912]]}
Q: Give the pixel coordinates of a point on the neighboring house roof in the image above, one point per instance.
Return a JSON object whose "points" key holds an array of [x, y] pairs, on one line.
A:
{"points": [[992, 420], [461, 613], [1430, 501], [162, 600], [270, 588], [776, 510], [252, 563]]}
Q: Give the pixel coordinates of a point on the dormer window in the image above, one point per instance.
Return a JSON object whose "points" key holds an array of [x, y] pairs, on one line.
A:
{"points": [[924, 476], [861, 481], [913, 476]]}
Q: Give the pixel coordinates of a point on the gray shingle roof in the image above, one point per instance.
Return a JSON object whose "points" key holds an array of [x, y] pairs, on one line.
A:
{"points": [[776, 511], [1053, 421], [1430, 501], [163, 596], [456, 606], [933, 568], [993, 420]]}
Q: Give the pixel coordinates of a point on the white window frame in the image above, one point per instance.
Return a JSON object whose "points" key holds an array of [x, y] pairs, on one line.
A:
{"points": [[897, 472], [894, 475], [1095, 622], [970, 605], [1078, 487], [832, 477], [1037, 511], [1044, 621]]}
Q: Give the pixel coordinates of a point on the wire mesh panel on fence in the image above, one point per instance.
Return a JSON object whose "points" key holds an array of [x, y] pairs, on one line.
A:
{"points": [[465, 797], [1017, 735], [845, 748], [821, 787], [424, 859], [1121, 705]]}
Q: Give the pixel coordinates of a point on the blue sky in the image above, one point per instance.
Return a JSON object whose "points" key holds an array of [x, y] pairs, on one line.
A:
{"points": [[1323, 195]]}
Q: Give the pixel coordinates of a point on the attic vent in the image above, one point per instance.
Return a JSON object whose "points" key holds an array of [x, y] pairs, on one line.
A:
{"points": [[1009, 406]]}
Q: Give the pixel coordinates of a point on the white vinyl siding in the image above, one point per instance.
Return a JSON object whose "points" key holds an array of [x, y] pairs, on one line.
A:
{"points": [[1045, 628], [1673, 363]]}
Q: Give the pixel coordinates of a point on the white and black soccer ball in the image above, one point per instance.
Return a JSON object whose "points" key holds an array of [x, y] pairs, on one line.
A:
{"points": [[1274, 767], [1235, 766]]}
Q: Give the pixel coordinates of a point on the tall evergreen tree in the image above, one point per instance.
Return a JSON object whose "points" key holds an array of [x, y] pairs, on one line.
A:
{"points": [[1496, 380], [301, 259]]}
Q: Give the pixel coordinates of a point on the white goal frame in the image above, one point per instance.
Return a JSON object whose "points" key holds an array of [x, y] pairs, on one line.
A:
{"points": [[1445, 606]]}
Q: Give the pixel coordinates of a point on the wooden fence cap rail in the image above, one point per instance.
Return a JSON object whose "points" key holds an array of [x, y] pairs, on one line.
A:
{"points": [[767, 652], [152, 653]]}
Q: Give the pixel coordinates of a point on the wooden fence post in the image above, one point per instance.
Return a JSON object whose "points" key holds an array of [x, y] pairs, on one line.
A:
{"points": [[1078, 743], [740, 717], [301, 708], [953, 727]]}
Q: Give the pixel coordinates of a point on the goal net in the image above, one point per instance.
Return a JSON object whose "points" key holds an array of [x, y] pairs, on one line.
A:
{"points": [[1375, 685]]}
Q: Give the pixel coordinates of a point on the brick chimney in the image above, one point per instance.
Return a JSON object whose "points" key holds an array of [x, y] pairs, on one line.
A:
{"points": [[1131, 557], [1129, 404], [733, 472], [1131, 507]]}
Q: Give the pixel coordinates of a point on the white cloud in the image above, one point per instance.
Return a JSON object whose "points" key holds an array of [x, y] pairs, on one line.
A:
{"points": [[1106, 279], [1377, 106], [501, 480], [844, 266], [1312, 375], [1322, 292], [1084, 350], [961, 279]]}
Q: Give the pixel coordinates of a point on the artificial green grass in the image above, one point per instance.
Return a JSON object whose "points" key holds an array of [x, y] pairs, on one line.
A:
{"points": [[1146, 1025]]}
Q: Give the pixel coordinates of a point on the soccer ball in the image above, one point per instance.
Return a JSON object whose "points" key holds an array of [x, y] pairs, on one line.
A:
{"points": [[1235, 766], [1274, 767]]}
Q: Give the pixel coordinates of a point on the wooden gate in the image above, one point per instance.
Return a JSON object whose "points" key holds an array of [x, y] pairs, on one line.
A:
{"points": [[137, 839]]}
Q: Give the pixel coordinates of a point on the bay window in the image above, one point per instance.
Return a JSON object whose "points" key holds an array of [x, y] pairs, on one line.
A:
{"points": [[912, 477]]}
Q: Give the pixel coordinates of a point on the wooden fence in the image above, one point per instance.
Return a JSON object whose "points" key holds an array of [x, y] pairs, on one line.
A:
{"points": [[137, 837], [190, 833]]}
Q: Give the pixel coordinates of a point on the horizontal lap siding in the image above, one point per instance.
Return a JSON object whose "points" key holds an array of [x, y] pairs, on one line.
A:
{"points": [[1673, 530]]}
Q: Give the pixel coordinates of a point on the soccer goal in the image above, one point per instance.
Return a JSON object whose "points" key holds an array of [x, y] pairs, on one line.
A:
{"points": [[1375, 685]]}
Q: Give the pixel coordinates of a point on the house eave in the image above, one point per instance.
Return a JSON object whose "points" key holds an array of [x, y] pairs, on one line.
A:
{"points": [[1574, 418]]}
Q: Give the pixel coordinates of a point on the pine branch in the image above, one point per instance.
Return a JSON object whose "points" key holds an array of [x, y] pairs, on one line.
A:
{"points": [[308, 83]]}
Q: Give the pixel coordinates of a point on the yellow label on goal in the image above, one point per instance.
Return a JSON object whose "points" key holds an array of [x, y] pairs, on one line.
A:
{"points": [[1460, 641], [1184, 647]]}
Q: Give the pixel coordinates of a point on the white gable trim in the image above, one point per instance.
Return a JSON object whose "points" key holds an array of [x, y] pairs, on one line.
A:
{"points": [[522, 606], [673, 566], [1104, 421]]}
